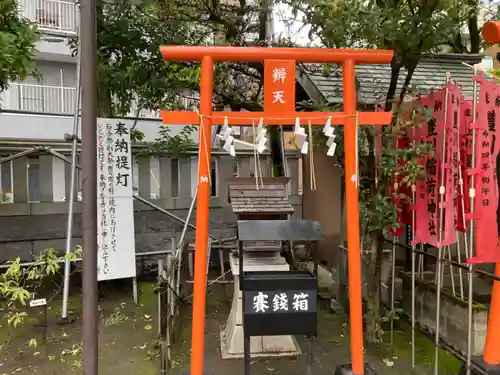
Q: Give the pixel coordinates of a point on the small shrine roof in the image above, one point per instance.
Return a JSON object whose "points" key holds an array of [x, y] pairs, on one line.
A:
{"points": [[248, 196]]}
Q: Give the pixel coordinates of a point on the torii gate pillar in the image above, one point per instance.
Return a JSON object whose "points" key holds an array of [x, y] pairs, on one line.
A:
{"points": [[350, 118]]}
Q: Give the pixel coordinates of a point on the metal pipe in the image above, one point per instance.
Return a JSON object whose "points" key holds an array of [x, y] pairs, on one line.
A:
{"points": [[447, 252], [413, 256], [61, 146], [20, 154], [393, 286], [160, 279], [479, 273], [142, 254], [169, 214], [471, 233], [439, 268], [460, 273], [190, 212], [149, 253], [64, 158], [27, 264], [177, 261], [69, 224], [421, 260]]}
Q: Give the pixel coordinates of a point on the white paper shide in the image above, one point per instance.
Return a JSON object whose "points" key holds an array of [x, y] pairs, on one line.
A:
{"points": [[115, 206]]}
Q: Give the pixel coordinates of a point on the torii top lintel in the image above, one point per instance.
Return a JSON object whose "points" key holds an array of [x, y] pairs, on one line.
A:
{"points": [[257, 54]]}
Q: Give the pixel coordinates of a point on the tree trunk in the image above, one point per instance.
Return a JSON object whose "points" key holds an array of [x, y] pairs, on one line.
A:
{"points": [[391, 92], [475, 34], [373, 271], [276, 152]]}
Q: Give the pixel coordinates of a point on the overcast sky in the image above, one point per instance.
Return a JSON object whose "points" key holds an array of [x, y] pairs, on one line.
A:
{"points": [[285, 27]]}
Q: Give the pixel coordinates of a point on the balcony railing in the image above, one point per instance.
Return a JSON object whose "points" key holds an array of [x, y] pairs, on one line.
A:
{"points": [[52, 15], [44, 99], [39, 99]]}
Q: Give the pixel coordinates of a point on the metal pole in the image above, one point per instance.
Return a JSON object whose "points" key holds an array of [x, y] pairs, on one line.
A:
{"points": [[393, 285], [22, 153], [459, 259], [58, 155], [71, 199], [89, 164], [190, 212], [413, 259], [439, 268], [471, 233], [177, 260], [160, 280]]}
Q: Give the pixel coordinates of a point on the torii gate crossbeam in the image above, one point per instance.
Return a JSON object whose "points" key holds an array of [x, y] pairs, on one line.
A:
{"points": [[287, 115]]}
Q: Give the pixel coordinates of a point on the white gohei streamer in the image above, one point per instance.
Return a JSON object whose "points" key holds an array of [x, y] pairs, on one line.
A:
{"points": [[301, 137], [226, 134], [329, 131]]}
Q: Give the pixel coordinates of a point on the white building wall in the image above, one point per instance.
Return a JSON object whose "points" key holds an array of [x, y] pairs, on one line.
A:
{"points": [[43, 109], [35, 127]]}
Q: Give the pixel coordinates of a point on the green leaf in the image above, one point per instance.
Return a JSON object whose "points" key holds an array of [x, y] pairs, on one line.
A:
{"points": [[32, 343], [18, 37]]}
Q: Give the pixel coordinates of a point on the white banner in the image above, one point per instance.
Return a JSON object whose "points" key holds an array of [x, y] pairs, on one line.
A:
{"points": [[115, 206]]}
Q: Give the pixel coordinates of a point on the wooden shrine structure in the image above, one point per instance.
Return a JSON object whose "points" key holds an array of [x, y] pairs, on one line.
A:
{"points": [[261, 199]]}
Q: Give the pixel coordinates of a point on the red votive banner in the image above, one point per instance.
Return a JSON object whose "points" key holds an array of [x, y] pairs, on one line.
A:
{"points": [[465, 163], [427, 202], [453, 152], [487, 249]]}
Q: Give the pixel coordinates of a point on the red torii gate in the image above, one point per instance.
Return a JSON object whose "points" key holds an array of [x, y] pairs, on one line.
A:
{"points": [[277, 112]]}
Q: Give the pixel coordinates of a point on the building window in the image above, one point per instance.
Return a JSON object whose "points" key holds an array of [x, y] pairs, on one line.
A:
{"points": [[6, 182], [34, 180]]}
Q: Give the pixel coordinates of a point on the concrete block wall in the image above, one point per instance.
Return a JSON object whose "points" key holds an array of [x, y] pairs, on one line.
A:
{"points": [[453, 316], [27, 227]]}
